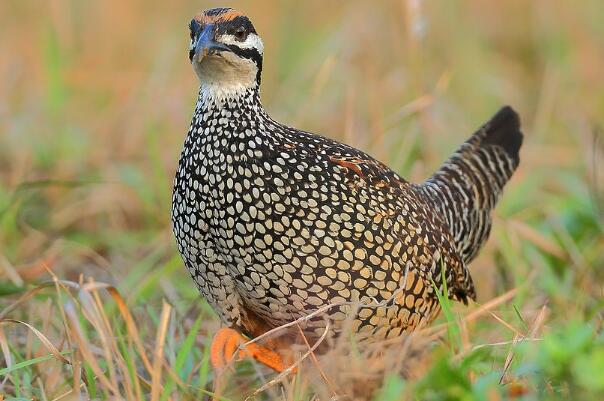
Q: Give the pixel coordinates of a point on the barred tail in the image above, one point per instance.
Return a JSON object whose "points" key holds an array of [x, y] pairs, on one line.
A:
{"points": [[467, 186]]}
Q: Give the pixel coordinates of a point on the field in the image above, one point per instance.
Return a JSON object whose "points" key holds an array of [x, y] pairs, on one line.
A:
{"points": [[96, 98]]}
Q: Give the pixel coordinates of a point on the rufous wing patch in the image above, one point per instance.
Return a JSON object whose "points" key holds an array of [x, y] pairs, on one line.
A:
{"points": [[350, 163]]}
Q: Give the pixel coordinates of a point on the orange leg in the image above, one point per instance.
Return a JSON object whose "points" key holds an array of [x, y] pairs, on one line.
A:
{"points": [[225, 344]]}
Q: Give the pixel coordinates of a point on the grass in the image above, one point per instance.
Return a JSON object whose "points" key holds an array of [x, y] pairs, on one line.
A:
{"points": [[97, 96]]}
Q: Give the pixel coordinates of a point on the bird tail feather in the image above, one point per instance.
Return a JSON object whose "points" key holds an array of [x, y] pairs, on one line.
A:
{"points": [[467, 186]]}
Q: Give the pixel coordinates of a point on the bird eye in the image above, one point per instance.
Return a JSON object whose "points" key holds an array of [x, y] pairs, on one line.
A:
{"points": [[240, 34]]}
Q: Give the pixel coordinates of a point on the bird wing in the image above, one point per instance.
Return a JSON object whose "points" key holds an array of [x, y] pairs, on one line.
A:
{"points": [[402, 211]]}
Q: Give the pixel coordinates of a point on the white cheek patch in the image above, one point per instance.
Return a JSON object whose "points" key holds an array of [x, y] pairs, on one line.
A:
{"points": [[253, 41]]}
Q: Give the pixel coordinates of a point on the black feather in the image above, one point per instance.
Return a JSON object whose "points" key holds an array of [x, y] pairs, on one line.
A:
{"points": [[504, 130]]}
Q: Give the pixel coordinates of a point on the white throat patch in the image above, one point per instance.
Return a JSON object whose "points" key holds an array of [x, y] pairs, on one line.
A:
{"points": [[225, 76]]}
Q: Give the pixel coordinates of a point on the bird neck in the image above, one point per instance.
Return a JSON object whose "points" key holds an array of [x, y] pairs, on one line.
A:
{"points": [[220, 113], [217, 98]]}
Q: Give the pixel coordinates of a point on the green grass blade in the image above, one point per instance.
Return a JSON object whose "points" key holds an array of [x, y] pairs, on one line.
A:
{"points": [[453, 330], [181, 357], [29, 362]]}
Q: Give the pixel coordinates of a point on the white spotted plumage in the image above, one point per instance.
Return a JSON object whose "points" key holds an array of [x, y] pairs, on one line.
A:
{"points": [[273, 222]]}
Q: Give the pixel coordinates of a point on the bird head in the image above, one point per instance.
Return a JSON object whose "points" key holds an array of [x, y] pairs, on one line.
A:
{"points": [[225, 50]]}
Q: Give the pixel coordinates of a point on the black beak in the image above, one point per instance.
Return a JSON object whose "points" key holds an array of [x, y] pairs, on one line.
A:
{"points": [[206, 44]]}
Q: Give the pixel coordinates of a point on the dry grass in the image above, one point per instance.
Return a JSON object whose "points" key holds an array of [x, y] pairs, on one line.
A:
{"points": [[97, 96]]}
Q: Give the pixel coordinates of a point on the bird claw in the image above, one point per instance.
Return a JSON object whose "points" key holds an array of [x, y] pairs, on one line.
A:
{"points": [[226, 345]]}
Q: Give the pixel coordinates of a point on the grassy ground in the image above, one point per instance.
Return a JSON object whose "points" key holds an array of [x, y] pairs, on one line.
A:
{"points": [[96, 99]]}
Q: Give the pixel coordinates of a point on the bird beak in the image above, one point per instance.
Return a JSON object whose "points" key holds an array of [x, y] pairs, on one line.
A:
{"points": [[206, 44]]}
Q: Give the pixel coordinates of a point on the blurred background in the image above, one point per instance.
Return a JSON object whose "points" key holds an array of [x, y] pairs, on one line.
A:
{"points": [[96, 98]]}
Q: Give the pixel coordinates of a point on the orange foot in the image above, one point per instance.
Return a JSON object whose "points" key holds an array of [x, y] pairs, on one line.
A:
{"points": [[227, 341]]}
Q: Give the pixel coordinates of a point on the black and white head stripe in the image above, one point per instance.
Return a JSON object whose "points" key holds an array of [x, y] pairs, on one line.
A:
{"points": [[240, 36], [194, 31]]}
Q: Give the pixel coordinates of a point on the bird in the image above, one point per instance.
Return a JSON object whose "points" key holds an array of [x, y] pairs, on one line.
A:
{"points": [[276, 224]]}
